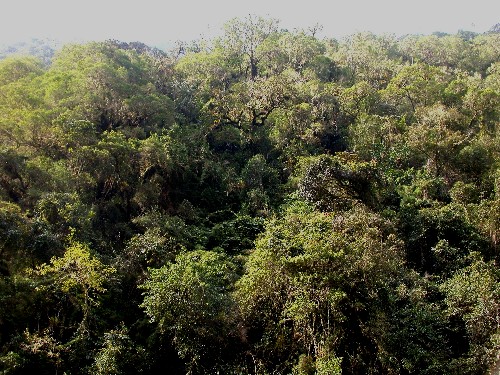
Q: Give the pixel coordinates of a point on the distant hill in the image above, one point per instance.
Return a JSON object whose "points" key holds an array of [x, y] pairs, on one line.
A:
{"points": [[495, 28], [42, 48]]}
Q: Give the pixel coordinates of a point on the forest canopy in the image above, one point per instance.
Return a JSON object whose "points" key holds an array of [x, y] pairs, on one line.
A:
{"points": [[266, 202]]}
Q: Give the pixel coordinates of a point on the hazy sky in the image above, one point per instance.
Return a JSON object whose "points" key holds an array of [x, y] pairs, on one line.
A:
{"points": [[157, 22]]}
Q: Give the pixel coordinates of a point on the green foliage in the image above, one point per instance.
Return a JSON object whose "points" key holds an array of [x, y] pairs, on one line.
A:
{"points": [[38, 352], [314, 270], [79, 275], [337, 182], [190, 299], [13, 231], [13, 69], [416, 336], [367, 57], [473, 296], [242, 38], [348, 191], [64, 212], [328, 364], [414, 86], [439, 239], [237, 235], [119, 354]]}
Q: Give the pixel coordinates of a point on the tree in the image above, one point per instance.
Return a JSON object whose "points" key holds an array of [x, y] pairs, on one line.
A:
{"points": [[310, 122], [309, 281], [242, 37], [485, 50], [119, 354], [335, 183], [482, 100], [348, 192], [380, 138], [298, 51], [366, 57], [13, 69], [248, 104], [81, 277], [451, 51], [438, 136], [472, 295], [13, 234], [190, 300], [414, 86], [111, 87]]}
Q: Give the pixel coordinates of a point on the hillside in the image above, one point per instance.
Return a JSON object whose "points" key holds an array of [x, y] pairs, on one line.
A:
{"points": [[266, 202]]}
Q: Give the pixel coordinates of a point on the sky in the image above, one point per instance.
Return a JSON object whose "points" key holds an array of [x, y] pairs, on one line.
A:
{"points": [[158, 22]]}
